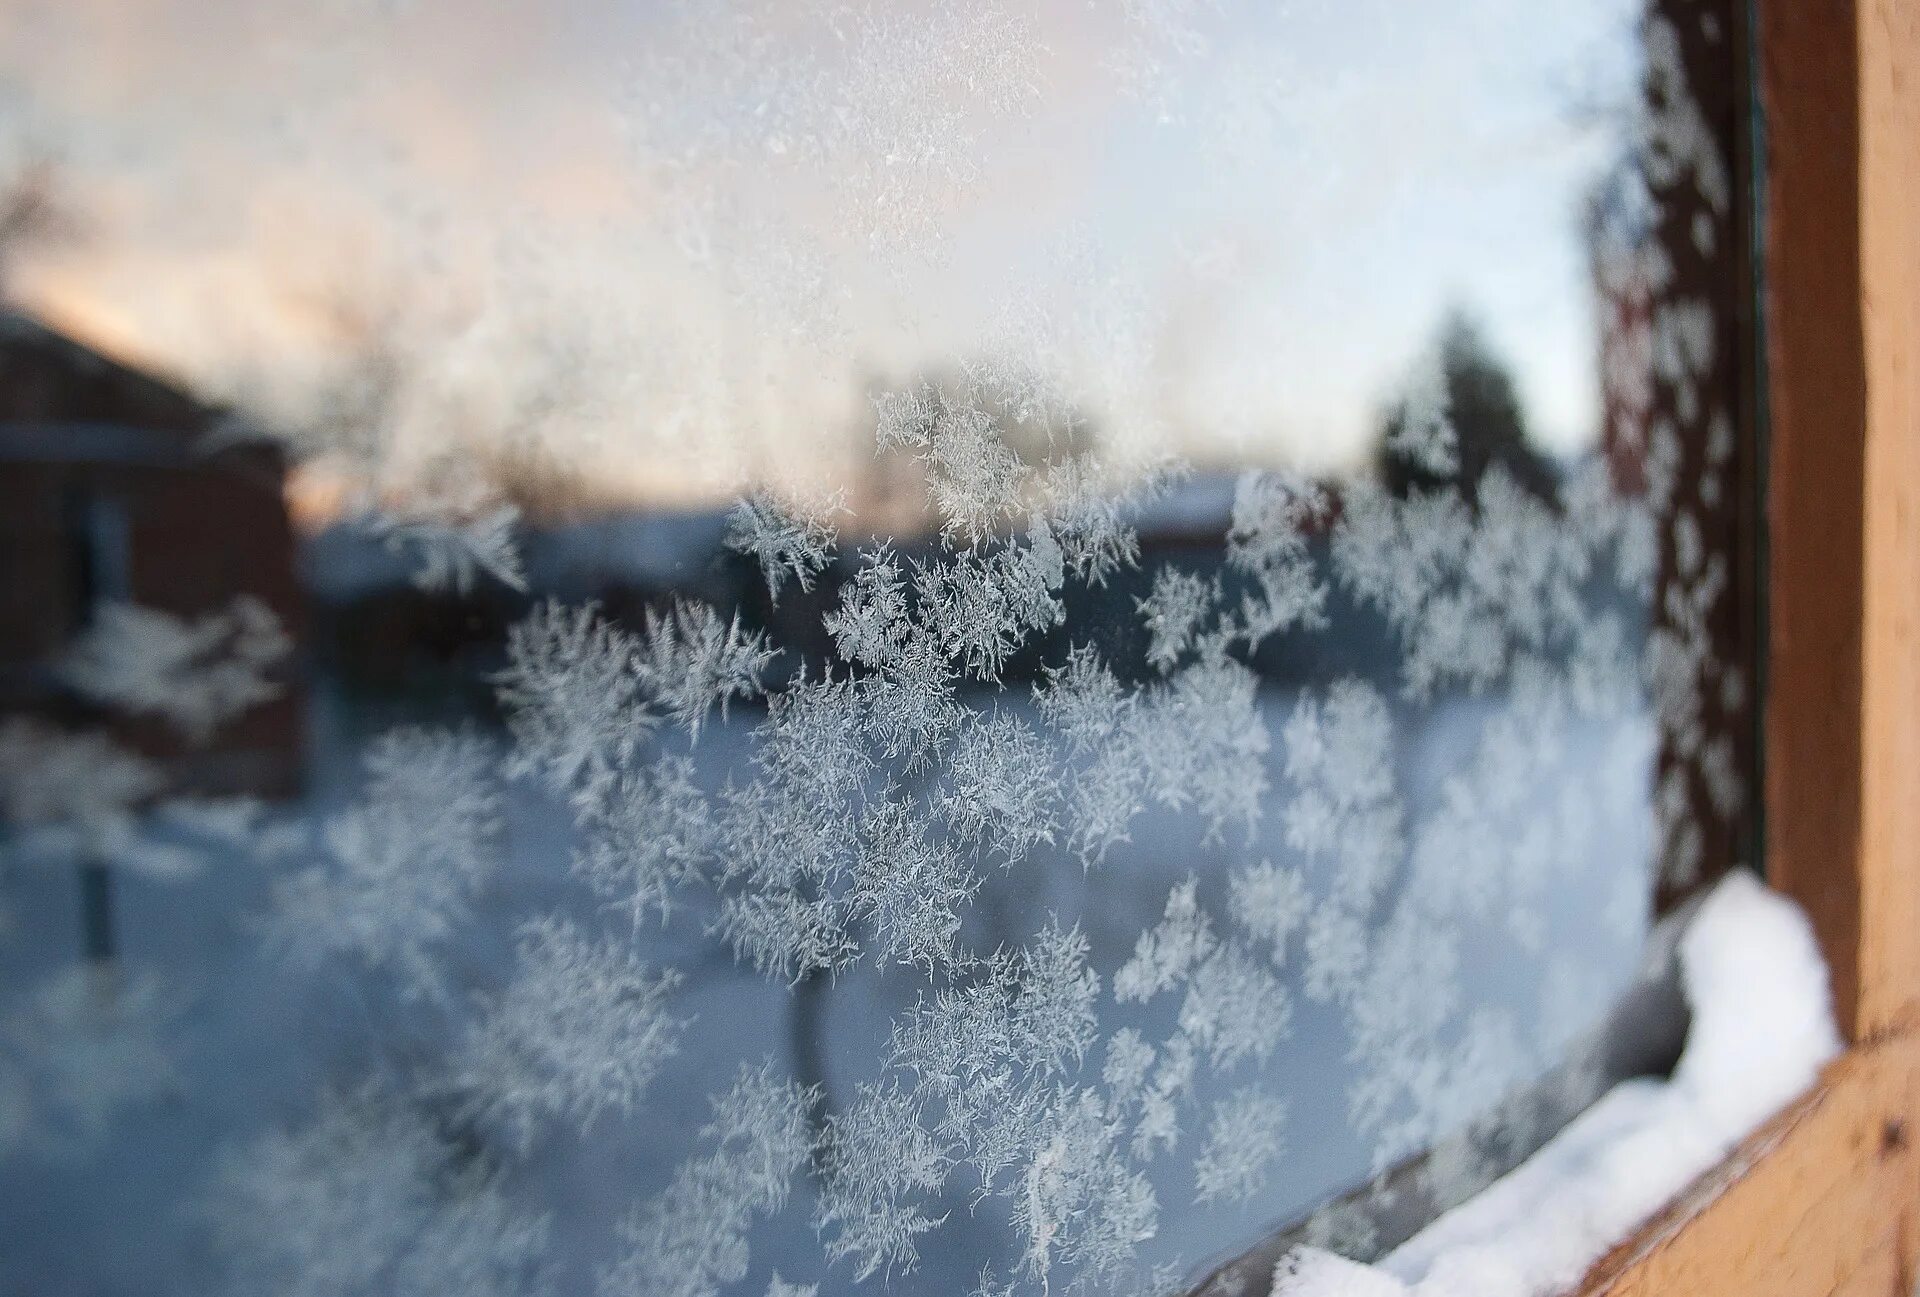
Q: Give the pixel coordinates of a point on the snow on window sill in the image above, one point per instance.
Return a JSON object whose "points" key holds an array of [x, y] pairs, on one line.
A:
{"points": [[1762, 1027]]}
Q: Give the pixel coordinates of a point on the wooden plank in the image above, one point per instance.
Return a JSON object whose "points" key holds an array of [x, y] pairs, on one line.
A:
{"points": [[1889, 958], [1843, 290], [1883, 1274], [1816, 518]]}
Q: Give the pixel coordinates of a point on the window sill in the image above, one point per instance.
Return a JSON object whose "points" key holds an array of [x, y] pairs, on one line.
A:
{"points": [[1820, 1200]]}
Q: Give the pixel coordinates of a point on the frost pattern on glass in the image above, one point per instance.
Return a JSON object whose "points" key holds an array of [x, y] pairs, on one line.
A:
{"points": [[864, 808], [876, 798]]}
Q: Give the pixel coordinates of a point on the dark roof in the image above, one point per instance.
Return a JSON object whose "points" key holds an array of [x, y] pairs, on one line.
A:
{"points": [[47, 378]]}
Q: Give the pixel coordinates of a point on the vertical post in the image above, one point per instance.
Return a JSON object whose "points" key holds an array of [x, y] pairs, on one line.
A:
{"points": [[1841, 84], [105, 570], [1890, 675], [96, 930]]}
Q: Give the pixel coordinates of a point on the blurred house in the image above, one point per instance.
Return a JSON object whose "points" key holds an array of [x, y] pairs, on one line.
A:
{"points": [[107, 494]]}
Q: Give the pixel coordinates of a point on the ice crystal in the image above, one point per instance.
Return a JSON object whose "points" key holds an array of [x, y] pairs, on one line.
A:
{"points": [[1129, 1058], [1336, 950], [877, 1158], [1104, 793], [1167, 952], [691, 1240], [1273, 519], [974, 480], [690, 661], [904, 416], [1340, 759], [583, 1026], [366, 1199], [1080, 1202], [452, 551], [983, 608], [785, 545], [908, 887], [1092, 521], [785, 933], [648, 837], [1157, 1128], [1030, 1009], [990, 1056], [400, 867], [1270, 903], [1205, 743], [1245, 1138], [811, 739], [572, 699], [1082, 701], [1235, 1007], [1001, 797], [870, 626], [1465, 586], [910, 705], [1053, 1021], [1174, 613]]}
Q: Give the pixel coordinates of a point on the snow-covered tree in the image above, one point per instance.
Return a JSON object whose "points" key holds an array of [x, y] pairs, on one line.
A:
{"points": [[196, 674]]}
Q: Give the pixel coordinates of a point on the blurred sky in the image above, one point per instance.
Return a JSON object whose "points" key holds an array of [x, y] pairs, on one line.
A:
{"points": [[681, 243]]}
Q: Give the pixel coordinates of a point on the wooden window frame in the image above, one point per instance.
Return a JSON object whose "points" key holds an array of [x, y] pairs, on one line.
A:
{"points": [[1825, 1199]]}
